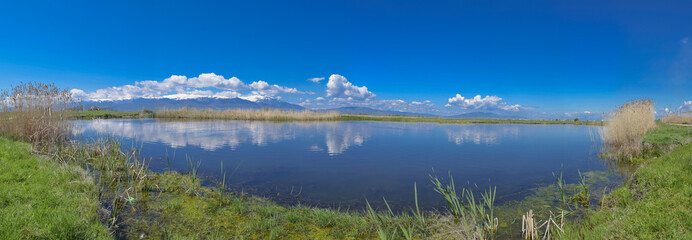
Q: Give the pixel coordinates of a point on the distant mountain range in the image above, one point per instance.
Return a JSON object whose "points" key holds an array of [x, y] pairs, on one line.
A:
{"points": [[199, 103]]}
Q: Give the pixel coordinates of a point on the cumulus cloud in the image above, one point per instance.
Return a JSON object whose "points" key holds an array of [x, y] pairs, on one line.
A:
{"points": [[264, 88], [316, 79], [339, 87], [182, 87], [487, 103]]}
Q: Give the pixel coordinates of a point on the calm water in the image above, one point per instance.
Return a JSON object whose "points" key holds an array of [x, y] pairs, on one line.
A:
{"points": [[342, 163]]}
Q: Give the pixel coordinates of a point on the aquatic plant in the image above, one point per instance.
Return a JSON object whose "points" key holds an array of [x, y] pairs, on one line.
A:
{"points": [[582, 198], [193, 169], [475, 216], [388, 228]]}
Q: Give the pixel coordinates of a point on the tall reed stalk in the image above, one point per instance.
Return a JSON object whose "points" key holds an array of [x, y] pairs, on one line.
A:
{"points": [[626, 127], [34, 112]]}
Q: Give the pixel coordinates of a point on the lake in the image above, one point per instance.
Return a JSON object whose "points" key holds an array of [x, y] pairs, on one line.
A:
{"points": [[342, 163]]}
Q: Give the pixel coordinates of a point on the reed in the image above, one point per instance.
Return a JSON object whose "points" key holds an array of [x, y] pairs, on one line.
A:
{"points": [[247, 114], [34, 112], [626, 128], [679, 118], [473, 218], [389, 225]]}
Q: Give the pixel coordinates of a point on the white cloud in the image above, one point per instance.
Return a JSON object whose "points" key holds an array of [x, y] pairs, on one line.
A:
{"points": [[339, 87], [686, 106], [182, 87], [488, 103], [316, 79]]}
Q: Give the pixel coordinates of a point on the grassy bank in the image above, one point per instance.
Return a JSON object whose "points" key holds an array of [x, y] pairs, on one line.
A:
{"points": [[656, 203], [44, 199]]}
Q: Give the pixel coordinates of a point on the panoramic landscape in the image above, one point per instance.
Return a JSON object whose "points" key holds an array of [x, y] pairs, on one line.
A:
{"points": [[346, 120]]}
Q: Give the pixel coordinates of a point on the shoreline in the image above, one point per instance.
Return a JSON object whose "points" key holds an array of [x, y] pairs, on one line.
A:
{"points": [[102, 114]]}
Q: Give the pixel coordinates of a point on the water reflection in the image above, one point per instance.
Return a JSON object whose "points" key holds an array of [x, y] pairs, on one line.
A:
{"points": [[214, 135], [340, 138], [210, 135], [480, 134]]}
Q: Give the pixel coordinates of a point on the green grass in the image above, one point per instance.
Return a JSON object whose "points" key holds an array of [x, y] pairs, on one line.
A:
{"points": [[668, 134], [42, 199], [656, 203], [94, 114]]}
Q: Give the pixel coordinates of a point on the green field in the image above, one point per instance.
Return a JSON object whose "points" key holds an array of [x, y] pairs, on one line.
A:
{"points": [[43, 199]]}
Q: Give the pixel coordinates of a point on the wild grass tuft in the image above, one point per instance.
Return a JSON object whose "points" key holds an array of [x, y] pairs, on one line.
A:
{"points": [[473, 216], [626, 128]]}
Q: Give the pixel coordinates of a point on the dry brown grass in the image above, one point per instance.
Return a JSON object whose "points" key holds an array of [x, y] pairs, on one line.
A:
{"points": [[34, 112], [626, 128], [680, 118], [241, 114]]}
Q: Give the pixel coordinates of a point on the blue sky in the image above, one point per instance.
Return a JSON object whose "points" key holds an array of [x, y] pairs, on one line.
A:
{"points": [[530, 57]]}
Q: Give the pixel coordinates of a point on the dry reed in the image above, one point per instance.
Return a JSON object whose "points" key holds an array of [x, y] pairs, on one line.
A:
{"points": [[680, 118], [34, 112], [245, 114], [626, 128]]}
